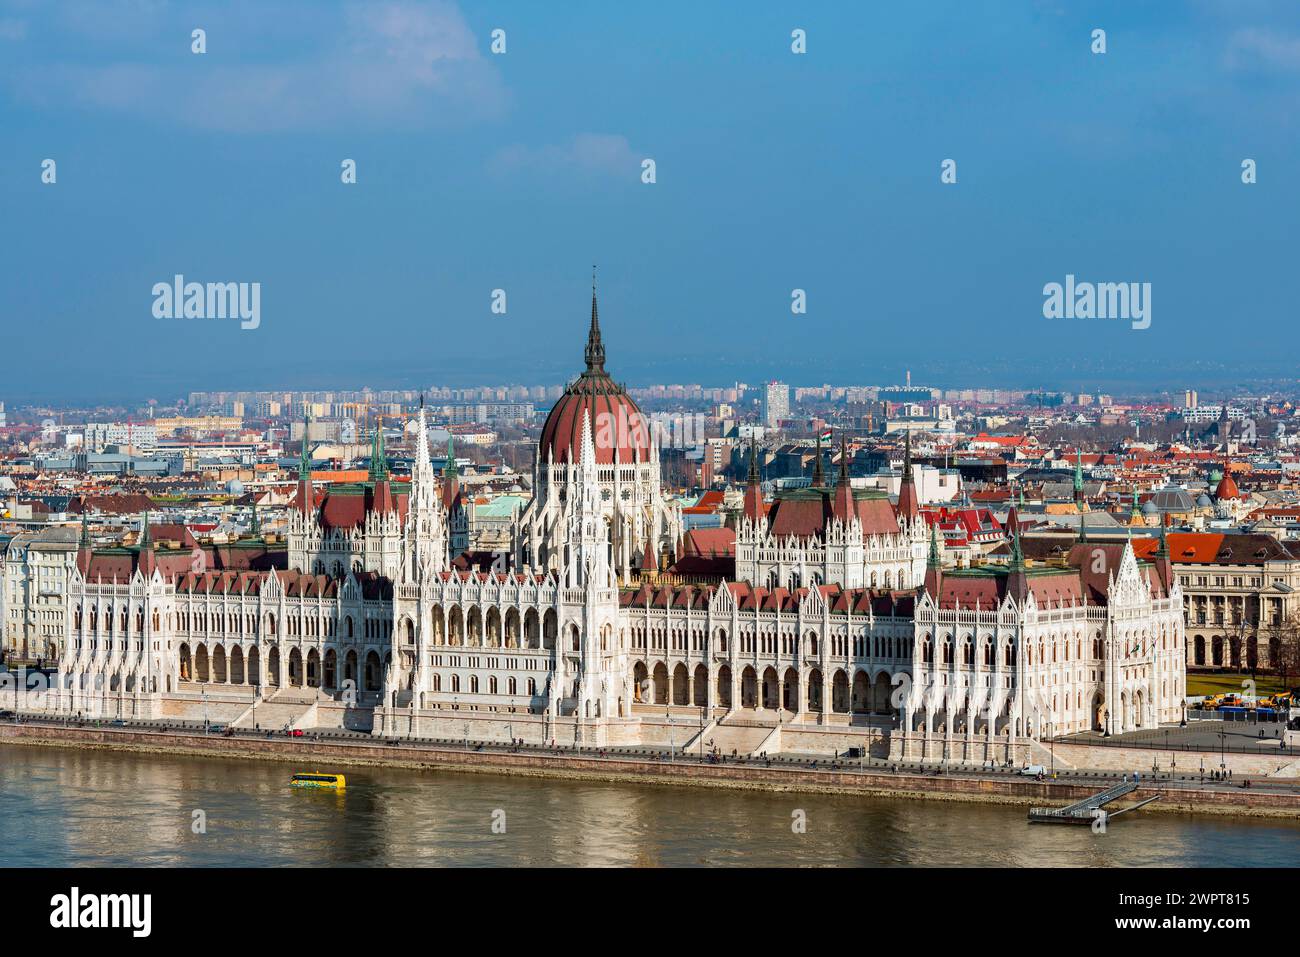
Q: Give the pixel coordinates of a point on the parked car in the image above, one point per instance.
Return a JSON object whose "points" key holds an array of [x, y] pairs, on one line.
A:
{"points": [[294, 732], [1033, 770]]}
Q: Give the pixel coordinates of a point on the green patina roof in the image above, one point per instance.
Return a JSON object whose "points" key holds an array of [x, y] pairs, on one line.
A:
{"points": [[501, 506]]}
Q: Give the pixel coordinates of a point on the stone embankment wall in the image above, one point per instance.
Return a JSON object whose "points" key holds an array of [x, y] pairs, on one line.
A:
{"points": [[630, 769]]}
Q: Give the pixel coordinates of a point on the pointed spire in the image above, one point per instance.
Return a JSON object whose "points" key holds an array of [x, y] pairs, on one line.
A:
{"points": [[85, 550], [595, 351], [1017, 553], [254, 526], [933, 582], [908, 505], [818, 479], [378, 457], [450, 471], [843, 507], [1017, 580], [753, 504], [305, 501], [148, 562], [1164, 563], [304, 460], [421, 469]]}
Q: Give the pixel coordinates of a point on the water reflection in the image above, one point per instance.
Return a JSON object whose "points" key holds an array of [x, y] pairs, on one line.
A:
{"points": [[72, 808]]}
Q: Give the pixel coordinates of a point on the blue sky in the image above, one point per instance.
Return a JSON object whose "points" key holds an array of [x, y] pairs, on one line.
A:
{"points": [[518, 171]]}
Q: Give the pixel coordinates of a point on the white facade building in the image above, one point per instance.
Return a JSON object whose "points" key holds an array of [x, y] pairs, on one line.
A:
{"points": [[836, 625]]}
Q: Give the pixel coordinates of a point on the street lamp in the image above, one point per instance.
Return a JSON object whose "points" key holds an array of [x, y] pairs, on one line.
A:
{"points": [[702, 710]]}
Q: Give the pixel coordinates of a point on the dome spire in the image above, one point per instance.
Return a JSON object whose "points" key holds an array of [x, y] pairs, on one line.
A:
{"points": [[595, 352]]}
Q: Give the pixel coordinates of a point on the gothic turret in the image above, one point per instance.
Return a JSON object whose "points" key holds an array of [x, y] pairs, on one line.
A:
{"points": [[305, 503], [933, 566], [754, 487], [908, 507], [842, 505], [85, 549], [148, 559], [1017, 579]]}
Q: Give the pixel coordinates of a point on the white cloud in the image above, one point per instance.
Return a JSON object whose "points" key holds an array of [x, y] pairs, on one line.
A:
{"points": [[605, 153], [1255, 48], [400, 64]]}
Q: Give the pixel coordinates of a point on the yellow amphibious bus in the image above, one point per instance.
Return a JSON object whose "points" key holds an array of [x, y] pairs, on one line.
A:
{"points": [[316, 780]]}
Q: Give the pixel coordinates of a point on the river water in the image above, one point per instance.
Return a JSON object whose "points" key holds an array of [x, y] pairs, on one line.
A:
{"points": [[69, 808]]}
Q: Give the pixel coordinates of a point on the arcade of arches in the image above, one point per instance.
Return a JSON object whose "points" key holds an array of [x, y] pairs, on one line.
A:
{"points": [[764, 688], [214, 664]]}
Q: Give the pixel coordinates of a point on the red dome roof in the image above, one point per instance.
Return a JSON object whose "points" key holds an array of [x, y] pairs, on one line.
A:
{"points": [[617, 425], [1227, 487]]}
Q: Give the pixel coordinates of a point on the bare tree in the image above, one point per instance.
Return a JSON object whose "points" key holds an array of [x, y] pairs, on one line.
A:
{"points": [[1284, 648]]}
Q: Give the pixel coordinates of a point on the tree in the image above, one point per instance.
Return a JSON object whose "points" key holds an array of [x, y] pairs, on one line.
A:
{"points": [[1284, 647]]}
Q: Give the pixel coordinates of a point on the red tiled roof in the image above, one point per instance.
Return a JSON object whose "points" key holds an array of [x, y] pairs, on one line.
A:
{"points": [[709, 542], [1215, 548], [617, 424]]}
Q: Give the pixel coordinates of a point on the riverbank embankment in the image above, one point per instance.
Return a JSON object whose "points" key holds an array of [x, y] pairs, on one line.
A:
{"points": [[955, 785]]}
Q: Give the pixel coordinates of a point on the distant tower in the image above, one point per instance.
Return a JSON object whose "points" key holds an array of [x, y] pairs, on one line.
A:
{"points": [[1078, 481], [1224, 428]]}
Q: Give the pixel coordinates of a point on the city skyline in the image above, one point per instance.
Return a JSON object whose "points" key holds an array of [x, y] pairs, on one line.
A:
{"points": [[478, 171]]}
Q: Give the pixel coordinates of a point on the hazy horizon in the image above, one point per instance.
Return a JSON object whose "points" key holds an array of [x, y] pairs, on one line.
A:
{"points": [[775, 171]]}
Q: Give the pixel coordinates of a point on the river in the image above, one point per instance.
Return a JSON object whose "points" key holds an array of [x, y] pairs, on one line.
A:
{"points": [[63, 807]]}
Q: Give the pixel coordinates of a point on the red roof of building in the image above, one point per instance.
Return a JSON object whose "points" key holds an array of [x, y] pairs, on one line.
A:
{"points": [[807, 512], [1227, 488]]}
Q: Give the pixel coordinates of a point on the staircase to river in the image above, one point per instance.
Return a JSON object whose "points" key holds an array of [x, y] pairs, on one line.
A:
{"points": [[744, 736]]}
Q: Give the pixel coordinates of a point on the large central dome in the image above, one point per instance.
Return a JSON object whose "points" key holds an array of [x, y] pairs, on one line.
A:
{"points": [[618, 429]]}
